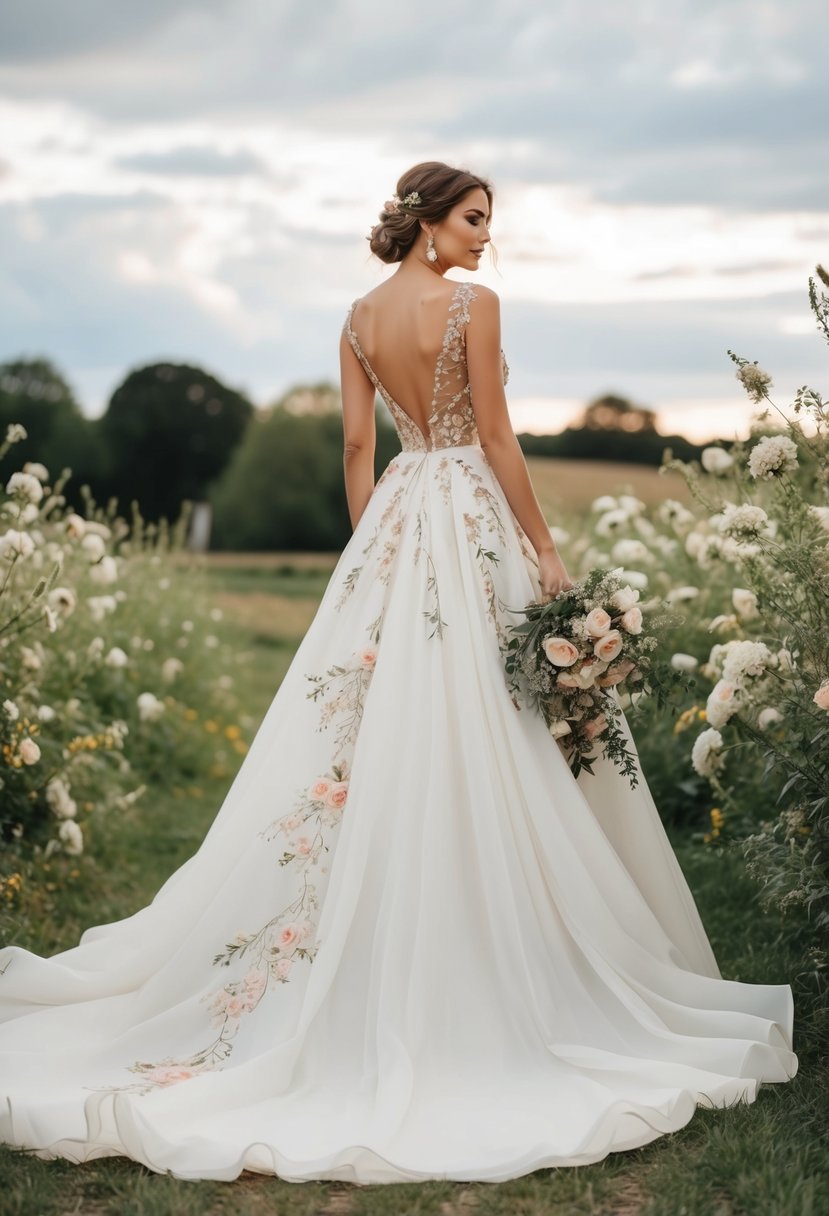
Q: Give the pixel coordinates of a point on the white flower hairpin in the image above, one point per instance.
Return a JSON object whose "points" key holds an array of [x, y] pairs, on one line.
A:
{"points": [[395, 202]]}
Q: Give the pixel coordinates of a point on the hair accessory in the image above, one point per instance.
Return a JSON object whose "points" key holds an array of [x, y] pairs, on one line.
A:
{"points": [[395, 202]]}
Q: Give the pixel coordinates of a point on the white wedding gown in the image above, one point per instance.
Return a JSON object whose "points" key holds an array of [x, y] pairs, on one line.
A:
{"points": [[412, 945]]}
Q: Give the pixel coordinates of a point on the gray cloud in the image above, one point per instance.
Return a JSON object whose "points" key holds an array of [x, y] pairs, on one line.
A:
{"points": [[195, 162]]}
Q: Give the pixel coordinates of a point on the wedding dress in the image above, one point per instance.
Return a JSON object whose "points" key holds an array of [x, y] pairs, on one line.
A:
{"points": [[411, 945]]}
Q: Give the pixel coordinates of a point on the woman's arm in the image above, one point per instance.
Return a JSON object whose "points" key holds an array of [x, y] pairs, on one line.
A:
{"points": [[503, 451], [359, 431], [499, 442]]}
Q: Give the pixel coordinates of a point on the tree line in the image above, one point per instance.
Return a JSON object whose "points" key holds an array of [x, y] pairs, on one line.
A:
{"points": [[274, 477]]}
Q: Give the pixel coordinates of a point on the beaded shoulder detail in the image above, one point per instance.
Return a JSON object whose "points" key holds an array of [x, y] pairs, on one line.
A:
{"points": [[452, 419]]}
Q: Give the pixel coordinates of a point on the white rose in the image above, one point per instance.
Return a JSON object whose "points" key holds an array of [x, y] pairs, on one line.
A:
{"points": [[624, 598], [631, 621], [597, 623]]}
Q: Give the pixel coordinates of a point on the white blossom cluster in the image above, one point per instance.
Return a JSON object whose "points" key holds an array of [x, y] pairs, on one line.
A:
{"points": [[772, 456]]}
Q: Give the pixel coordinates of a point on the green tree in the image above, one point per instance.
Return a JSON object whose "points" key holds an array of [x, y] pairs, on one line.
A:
{"points": [[170, 430], [284, 488], [34, 393]]}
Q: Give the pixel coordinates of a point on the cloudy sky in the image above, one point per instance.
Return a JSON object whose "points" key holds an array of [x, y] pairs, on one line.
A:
{"points": [[195, 181]]}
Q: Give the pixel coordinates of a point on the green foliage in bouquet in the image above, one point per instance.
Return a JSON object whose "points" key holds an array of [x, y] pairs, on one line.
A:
{"points": [[570, 655]]}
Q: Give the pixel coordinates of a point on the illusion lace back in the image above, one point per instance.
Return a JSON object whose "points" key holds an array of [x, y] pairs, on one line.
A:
{"points": [[411, 945], [452, 420]]}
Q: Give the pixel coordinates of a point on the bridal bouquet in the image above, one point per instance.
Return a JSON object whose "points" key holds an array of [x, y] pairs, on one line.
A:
{"points": [[572, 651]]}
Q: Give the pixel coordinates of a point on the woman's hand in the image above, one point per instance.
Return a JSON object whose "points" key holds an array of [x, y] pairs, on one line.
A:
{"points": [[552, 574]]}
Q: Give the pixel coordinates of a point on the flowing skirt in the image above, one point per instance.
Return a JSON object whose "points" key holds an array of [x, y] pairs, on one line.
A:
{"points": [[411, 945]]}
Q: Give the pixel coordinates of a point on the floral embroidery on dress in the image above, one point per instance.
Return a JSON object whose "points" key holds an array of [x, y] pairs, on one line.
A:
{"points": [[273, 950], [389, 549], [346, 686], [432, 615]]}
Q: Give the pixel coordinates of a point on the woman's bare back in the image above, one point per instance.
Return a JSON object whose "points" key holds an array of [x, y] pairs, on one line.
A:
{"points": [[401, 333]]}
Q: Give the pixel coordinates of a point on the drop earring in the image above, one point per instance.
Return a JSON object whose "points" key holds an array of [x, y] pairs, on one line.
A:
{"points": [[431, 252]]}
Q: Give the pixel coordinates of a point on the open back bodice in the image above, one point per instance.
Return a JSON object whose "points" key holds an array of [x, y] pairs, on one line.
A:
{"points": [[451, 422]]}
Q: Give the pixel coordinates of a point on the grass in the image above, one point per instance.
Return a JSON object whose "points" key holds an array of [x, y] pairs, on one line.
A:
{"points": [[767, 1159]]}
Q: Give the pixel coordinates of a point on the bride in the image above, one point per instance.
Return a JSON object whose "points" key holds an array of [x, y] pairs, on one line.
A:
{"points": [[412, 944]]}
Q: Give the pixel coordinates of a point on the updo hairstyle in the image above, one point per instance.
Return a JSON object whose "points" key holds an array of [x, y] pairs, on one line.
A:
{"points": [[440, 187]]}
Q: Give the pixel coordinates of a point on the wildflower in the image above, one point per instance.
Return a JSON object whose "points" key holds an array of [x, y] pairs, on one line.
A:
{"points": [[170, 668], [715, 460], [768, 716], [705, 754], [745, 602], [71, 837], [772, 456], [611, 522], [15, 431], [25, 487], [684, 662], [12, 710], [746, 659], [34, 469], [742, 519], [59, 799], [105, 571], [116, 657], [754, 380], [75, 526], [627, 550], [670, 511], [29, 750], [15, 544], [723, 702], [149, 706], [681, 594], [93, 547]]}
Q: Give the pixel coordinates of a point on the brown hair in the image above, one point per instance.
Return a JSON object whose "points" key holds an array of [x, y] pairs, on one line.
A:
{"points": [[441, 187]]}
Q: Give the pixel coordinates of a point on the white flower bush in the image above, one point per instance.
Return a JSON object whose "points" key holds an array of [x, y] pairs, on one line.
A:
{"points": [[85, 713]]}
